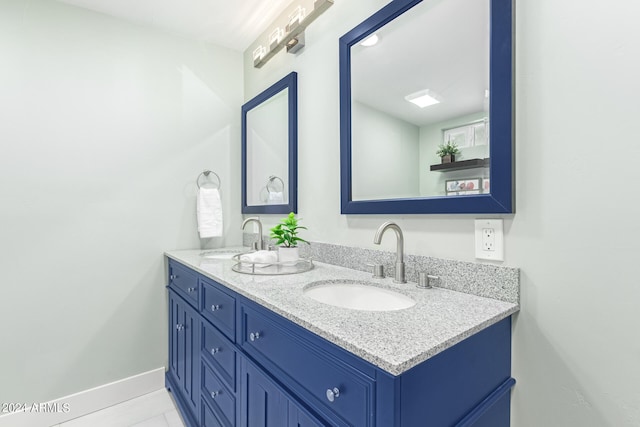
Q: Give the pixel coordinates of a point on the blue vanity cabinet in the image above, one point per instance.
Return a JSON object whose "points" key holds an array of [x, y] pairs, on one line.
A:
{"points": [[248, 366]]}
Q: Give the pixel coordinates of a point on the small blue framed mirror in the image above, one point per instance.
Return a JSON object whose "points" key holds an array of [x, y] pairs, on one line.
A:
{"points": [[416, 76], [270, 149]]}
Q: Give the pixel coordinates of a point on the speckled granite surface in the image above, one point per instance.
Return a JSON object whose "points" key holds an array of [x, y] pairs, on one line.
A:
{"points": [[486, 280], [395, 341]]}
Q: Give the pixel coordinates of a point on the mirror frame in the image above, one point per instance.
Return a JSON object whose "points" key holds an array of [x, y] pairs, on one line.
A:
{"points": [[290, 82], [501, 163]]}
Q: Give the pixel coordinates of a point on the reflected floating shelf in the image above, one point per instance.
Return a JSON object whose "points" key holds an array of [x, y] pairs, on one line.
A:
{"points": [[463, 164]]}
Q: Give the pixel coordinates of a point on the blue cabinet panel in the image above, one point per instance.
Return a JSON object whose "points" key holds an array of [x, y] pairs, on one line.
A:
{"points": [[184, 281], [208, 418], [266, 404], [221, 400], [465, 374], [175, 360], [220, 353], [262, 403], [325, 382], [218, 306], [301, 418], [184, 345]]}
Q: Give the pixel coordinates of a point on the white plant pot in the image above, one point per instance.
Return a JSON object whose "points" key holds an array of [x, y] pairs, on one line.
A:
{"points": [[288, 256]]}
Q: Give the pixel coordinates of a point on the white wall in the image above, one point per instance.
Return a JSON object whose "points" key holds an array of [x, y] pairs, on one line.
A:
{"points": [[104, 128], [575, 235], [388, 150]]}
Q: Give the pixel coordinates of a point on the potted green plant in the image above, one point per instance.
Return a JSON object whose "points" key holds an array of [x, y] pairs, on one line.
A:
{"points": [[286, 236], [447, 152]]}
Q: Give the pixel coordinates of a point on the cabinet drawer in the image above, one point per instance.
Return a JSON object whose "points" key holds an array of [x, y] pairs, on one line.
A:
{"points": [[327, 382], [207, 417], [184, 281], [222, 400], [220, 353], [219, 307]]}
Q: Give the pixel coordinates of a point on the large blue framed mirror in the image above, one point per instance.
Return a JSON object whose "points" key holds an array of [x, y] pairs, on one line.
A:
{"points": [[270, 149], [418, 75]]}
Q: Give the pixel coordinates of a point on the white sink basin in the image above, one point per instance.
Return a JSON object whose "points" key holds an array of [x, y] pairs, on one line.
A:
{"points": [[218, 254], [357, 295]]}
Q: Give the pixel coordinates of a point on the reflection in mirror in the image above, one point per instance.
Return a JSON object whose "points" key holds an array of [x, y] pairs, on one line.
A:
{"points": [[269, 149], [417, 75], [394, 140]]}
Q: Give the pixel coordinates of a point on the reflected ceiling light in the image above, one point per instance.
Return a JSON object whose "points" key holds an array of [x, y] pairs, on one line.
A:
{"points": [[424, 98], [370, 41]]}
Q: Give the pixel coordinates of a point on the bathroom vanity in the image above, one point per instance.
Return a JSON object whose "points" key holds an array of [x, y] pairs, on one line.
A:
{"points": [[249, 350]]}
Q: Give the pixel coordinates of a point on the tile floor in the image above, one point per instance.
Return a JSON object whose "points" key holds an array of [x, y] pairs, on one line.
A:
{"points": [[155, 409]]}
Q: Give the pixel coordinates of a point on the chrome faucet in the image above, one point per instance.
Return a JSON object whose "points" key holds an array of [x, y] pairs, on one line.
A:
{"points": [[399, 273], [259, 244]]}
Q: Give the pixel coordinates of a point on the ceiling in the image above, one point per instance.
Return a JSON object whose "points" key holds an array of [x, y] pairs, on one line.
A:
{"points": [[230, 23]]}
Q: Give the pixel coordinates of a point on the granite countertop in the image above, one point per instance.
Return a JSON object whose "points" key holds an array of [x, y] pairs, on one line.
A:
{"points": [[395, 341]]}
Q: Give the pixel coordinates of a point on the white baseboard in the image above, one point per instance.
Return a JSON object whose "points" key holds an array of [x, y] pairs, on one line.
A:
{"points": [[76, 405]]}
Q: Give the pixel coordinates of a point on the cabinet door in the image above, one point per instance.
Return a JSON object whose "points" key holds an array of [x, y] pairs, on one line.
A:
{"points": [[184, 350], [262, 404], [265, 404], [299, 417], [176, 352]]}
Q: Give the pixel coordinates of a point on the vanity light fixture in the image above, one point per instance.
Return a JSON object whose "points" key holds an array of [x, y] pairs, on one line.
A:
{"points": [[295, 18], [259, 54], [275, 37], [423, 99], [293, 36], [296, 43], [372, 40]]}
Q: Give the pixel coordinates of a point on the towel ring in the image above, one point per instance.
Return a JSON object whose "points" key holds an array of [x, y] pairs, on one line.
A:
{"points": [[206, 173], [272, 178]]}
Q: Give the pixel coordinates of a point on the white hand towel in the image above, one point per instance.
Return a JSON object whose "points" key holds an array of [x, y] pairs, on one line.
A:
{"points": [[276, 197], [209, 212], [261, 258]]}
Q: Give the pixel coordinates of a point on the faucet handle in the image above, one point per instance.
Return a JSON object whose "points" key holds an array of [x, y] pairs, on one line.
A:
{"points": [[377, 270], [424, 280]]}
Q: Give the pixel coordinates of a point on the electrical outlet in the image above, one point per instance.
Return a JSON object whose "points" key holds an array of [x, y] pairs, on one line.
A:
{"points": [[489, 239]]}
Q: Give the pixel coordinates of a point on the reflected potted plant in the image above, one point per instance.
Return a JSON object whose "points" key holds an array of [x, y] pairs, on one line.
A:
{"points": [[286, 236], [447, 152]]}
